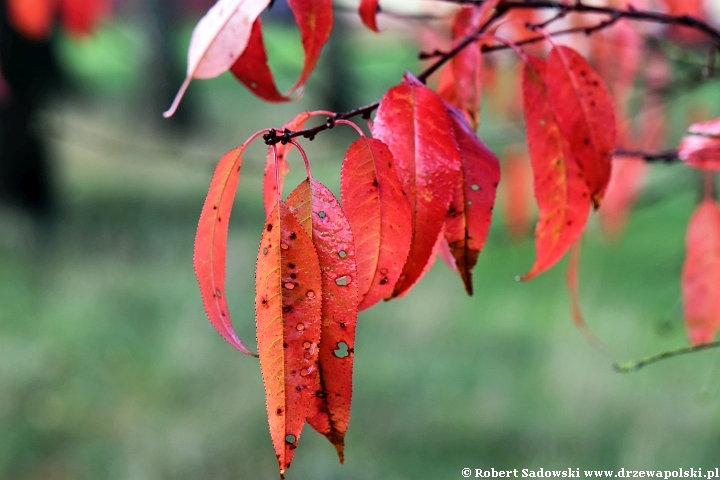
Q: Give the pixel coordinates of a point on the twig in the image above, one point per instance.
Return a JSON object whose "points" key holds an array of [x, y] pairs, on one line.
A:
{"points": [[667, 156], [635, 365]]}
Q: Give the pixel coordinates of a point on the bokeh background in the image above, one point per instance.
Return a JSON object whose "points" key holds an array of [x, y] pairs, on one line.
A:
{"points": [[109, 368]]}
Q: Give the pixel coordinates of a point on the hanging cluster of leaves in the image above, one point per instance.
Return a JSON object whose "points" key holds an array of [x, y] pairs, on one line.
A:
{"points": [[423, 183], [35, 18]]}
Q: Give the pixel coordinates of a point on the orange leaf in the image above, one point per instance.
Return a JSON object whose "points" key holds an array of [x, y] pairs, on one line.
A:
{"points": [[701, 271], [584, 112], [288, 315], [320, 214], [315, 19], [468, 219], [211, 244], [560, 191], [379, 214], [414, 124]]}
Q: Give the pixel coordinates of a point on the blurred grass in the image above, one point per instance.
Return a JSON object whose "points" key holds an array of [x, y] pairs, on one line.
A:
{"points": [[109, 368]]}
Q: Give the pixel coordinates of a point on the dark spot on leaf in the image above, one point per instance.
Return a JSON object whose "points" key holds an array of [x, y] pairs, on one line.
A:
{"points": [[264, 301], [214, 207], [319, 393], [279, 411], [219, 219], [586, 141], [298, 388], [383, 281], [292, 447], [284, 345], [269, 227], [292, 275], [323, 409], [293, 236], [375, 183], [287, 308], [291, 265], [342, 324]]}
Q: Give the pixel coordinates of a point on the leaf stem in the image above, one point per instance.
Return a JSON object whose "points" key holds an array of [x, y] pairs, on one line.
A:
{"points": [[635, 365]]}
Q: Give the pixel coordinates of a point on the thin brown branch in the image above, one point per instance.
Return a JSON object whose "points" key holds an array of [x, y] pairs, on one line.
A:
{"points": [[667, 156]]}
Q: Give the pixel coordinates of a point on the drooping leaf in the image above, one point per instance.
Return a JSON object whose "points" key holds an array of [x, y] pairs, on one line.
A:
{"points": [[560, 190], [211, 244], [626, 181], [572, 280], [270, 187], [470, 212], [315, 19], [379, 215], [584, 112], [80, 17], [701, 271], [368, 10], [32, 18], [320, 214], [466, 85], [288, 314], [218, 40], [413, 123], [517, 192]]}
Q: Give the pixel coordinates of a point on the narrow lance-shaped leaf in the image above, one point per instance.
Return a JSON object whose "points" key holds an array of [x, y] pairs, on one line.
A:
{"points": [[270, 186], [701, 271], [320, 214], [470, 212], [414, 124], [218, 40], [211, 244], [368, 10], [584, 112], [315, 19], [560, 190], [288, 305], [379, 215]]}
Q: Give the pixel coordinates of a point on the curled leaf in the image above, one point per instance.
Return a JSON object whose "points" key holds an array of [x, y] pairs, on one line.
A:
{"points": [[368, 10], [413, 122], [211, 244], [379, 215], [320, 214], [218, 40], [288, 315], [560, 189], [315, 19], [701, 271]]}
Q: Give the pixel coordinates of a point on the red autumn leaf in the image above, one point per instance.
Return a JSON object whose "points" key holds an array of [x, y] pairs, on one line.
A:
{"points": [[379, 215], [517, 190], [211, 244], [572, 280], [561, 193], [270, 186], [32, 18], [465, 69], [288, 315], [218, 40], [584, 112], [320, 214], [413, 123], [701, 271], [700, 152], [368, 13], [80, 17], [468, 218], [315, 19]]}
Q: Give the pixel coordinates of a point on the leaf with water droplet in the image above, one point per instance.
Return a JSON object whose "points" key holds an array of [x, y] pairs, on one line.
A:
{"points": [[701, 271], [218, 40], [330, 413], [286, 319], [413, 122], [315, 19], [468, 219], [379, 214], [211, 244], [560, 189]]}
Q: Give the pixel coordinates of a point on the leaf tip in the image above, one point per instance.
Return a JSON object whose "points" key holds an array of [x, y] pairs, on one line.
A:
{"points": [[340, 447], [178, 97]]}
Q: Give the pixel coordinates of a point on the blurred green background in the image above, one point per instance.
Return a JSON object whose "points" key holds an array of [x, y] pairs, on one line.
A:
{"points": [[109, 368]]}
